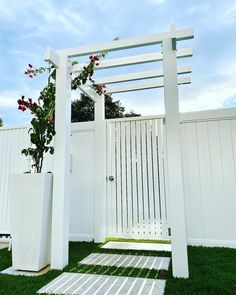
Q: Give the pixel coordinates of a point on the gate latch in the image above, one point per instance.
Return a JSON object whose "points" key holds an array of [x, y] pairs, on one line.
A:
{"points": [[111, 178]]}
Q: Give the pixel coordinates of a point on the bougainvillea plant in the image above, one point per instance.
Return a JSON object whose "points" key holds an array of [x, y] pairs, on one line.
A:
{"points": [[43, 110]]}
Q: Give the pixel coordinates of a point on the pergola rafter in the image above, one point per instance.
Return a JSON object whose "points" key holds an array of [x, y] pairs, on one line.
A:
{"points": [[139, 76], [167, 78], [134, 60], [144, 86]]}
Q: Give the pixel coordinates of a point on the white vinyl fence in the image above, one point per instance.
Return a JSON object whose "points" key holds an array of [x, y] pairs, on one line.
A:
{"points": [[208, 141], [12, 141], [209, 168]]}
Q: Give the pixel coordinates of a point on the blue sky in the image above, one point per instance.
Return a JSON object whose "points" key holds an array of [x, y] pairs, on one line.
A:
{"points": [[29, 26]]}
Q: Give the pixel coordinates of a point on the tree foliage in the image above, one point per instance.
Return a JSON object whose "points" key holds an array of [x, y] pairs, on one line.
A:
{"points": [[83, 109], [1, 122]]}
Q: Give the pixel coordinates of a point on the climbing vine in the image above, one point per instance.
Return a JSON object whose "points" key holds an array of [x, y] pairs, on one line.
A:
{"points": [[42, 128]]}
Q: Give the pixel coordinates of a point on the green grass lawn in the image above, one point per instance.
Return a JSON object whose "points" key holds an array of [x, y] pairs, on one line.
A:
{"points": [[212, 271]]}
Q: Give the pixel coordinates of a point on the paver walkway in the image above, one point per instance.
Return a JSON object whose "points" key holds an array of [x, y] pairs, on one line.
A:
{"points": [[95, 284], [137, 246], [71, 283], [137, 261]]}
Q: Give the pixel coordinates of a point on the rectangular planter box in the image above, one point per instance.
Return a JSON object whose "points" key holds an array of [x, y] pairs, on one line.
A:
{"points": [[31, 211]]}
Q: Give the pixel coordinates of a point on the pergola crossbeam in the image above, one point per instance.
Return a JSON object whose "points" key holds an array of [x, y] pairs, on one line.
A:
{"points": [[143, 86], [182, 34], [91, 93], [134, 60], [139, 76]]}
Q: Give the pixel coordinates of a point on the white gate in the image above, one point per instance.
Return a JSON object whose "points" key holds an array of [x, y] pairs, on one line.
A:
{"points": [[136, 197]]}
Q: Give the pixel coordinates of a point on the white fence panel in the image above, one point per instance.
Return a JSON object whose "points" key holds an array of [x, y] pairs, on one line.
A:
{"points": [[82, 182], [209, 167], [12, 142]]}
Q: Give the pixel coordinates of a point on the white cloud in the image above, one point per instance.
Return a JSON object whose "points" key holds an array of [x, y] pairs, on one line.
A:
{"points": [[8, 99], [214, 17], [198, 8], [212, 97], [212, 91], [42, 16], [158, 1]]}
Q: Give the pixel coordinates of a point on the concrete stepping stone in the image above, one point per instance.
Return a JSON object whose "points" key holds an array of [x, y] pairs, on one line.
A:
{"points": [[13, 272], [137, 246], [119, 260], [89, 284]]}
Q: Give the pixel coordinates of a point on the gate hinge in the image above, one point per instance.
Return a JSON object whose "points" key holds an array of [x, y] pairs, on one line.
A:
{"points": [[169, 231], [164, 120]]}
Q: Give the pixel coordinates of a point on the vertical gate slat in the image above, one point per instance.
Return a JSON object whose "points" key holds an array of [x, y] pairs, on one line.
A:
{"points": [[134, 176], [156, 190], [112, 194], [123, 178], [113, 184], [161, 178], [146, 212], [139, 177], [118, 181], [129, 180], [150, 174]]}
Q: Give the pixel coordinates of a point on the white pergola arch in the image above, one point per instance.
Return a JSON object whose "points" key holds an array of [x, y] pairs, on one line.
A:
{"points": [[169, 78]]}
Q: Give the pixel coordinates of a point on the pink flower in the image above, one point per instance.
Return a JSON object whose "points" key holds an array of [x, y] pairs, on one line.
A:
{"points": [[31, 76], [30, 66]]}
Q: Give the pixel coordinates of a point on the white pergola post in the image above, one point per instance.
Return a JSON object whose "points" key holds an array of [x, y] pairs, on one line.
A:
{"points": [[100, 210], [99, 171], [174, 163], [60, 206]]}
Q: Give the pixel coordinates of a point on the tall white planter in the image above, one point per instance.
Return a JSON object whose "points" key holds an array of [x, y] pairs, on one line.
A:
{"points": [[31, 207]]}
